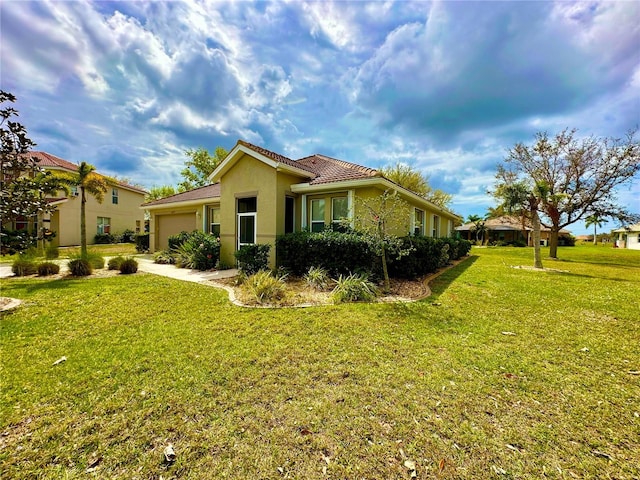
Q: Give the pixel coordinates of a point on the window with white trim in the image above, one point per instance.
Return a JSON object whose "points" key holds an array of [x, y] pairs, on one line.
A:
{"points": [[214, 221], [104, 225], [114, 196], [435, 233], [418, 222], [317, 215]]}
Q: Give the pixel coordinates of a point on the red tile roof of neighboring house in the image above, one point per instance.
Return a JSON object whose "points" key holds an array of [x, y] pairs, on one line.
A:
{"points": [[200, 193], [505, 223], [46, 160], [329, 169]]}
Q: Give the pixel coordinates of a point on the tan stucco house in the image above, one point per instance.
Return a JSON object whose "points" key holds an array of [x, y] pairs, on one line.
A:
{"points": [[119, 211], [257, 195]]}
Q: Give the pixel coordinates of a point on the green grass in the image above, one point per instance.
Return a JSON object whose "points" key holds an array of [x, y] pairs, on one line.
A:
{"points": [[110, 250], [350, 390]]}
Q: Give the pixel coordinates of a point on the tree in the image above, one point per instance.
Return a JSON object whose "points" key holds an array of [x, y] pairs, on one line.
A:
{"points": [[199, 166], [377, 217], [581, 176], [411, 179], [158, 192], [522, 199], [478, 226], [21, 195], [90, 182], [596, 220]]}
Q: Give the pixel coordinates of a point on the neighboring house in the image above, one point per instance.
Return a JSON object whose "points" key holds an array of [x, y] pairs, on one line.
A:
{"points": [[509, 229], [119, 211], [628, 237], [257, 195]]}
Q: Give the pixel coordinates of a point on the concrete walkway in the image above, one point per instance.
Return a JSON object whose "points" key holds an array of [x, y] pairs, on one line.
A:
{"points": [[145, 264]]}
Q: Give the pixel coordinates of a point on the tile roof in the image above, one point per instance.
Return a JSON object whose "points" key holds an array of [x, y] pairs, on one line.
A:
{"points": [[46, 160], [200, 193], [329, 169], [505, 223], [273, 155]]}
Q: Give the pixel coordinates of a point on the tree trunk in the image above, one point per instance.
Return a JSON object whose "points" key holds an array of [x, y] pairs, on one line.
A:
{"points": [[385, 272], [535, 223], [553, 242], [595, 234], [83, 225]]}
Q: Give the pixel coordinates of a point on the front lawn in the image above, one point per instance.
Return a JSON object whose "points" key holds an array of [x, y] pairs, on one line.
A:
{"points": [[501, 373]]}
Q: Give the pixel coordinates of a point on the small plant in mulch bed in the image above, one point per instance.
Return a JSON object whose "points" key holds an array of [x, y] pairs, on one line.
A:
{"points": [[24, 266], [80, 267], [115, 262], [354, 288], [318, 278], [128, 265], [164, 257], [48, 268], [263, 287]]}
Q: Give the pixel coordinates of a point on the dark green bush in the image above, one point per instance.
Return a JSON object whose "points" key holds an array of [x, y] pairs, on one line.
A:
{"points": [[199, 251], [115, 262], [428, 255], [48, 268], [24, 266], [253, 258], [16, 241], [128, 265], [80, 267], [128, 236], [104, 238], [142, 242], [174, 241], [337, 252]]}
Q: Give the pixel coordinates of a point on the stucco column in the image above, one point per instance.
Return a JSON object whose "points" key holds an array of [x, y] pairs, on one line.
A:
{"points": [[303, 213]]}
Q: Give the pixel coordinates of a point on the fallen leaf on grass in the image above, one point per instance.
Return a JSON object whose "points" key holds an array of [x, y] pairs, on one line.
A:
{"points": [[598, 453], [410, 465], [441, 465], [634, 372], [304, 431], [509, 334], [59, 361], [511, 447]]}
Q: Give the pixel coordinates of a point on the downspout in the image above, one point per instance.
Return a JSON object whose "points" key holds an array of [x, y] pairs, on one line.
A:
{"points": [[303, 213]]}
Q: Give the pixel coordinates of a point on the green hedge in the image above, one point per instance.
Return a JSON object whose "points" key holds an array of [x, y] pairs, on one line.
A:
{"points": [[142, 242], [346, 253]]}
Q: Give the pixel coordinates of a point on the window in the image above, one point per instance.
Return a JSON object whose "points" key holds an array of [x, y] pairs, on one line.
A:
{"points": [[288, 215], [436, 227], [114, 196], [74, 191], [22, 223], [137, 226], [104, 225], [247, 220], [317, 215], [214, 221], [339, 209], [418, 222]]}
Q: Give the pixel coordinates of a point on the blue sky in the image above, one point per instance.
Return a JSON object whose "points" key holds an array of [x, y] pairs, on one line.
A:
{"points": [[446, 87]]}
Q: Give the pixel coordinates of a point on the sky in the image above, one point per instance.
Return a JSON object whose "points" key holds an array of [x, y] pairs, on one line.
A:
{"points": [[445, 87]]}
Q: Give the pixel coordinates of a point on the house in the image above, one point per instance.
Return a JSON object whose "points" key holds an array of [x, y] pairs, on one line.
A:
{"points": [[628, 237], [119, 211], [257, 195], [509, 230]]}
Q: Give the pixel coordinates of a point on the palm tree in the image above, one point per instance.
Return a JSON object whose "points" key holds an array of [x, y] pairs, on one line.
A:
{"points": [[596, 220], [89, 182], [478, 226]]}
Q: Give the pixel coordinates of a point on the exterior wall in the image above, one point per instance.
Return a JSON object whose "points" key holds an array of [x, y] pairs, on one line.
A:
{"points": [[123, 215]]}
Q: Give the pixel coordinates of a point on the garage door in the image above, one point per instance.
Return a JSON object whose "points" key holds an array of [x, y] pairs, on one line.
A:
{"points": [[172, 224]]}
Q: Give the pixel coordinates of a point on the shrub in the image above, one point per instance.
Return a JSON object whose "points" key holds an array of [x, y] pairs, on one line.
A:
{"points": [[354, 288], [263, 287], [199, 251], [142, 242], [427, 256], [16, 241], [24, 266], [128, 265], [339, 253], [95, 260], [164, 257], [51, 252], [80, 267], [253, 258], [115, 262], [174, 241], [128, 236], [103, 238], [318, 278], [48, 268]]}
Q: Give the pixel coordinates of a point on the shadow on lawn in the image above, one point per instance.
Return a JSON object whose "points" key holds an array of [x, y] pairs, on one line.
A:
{"points": [[439, 284]]}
